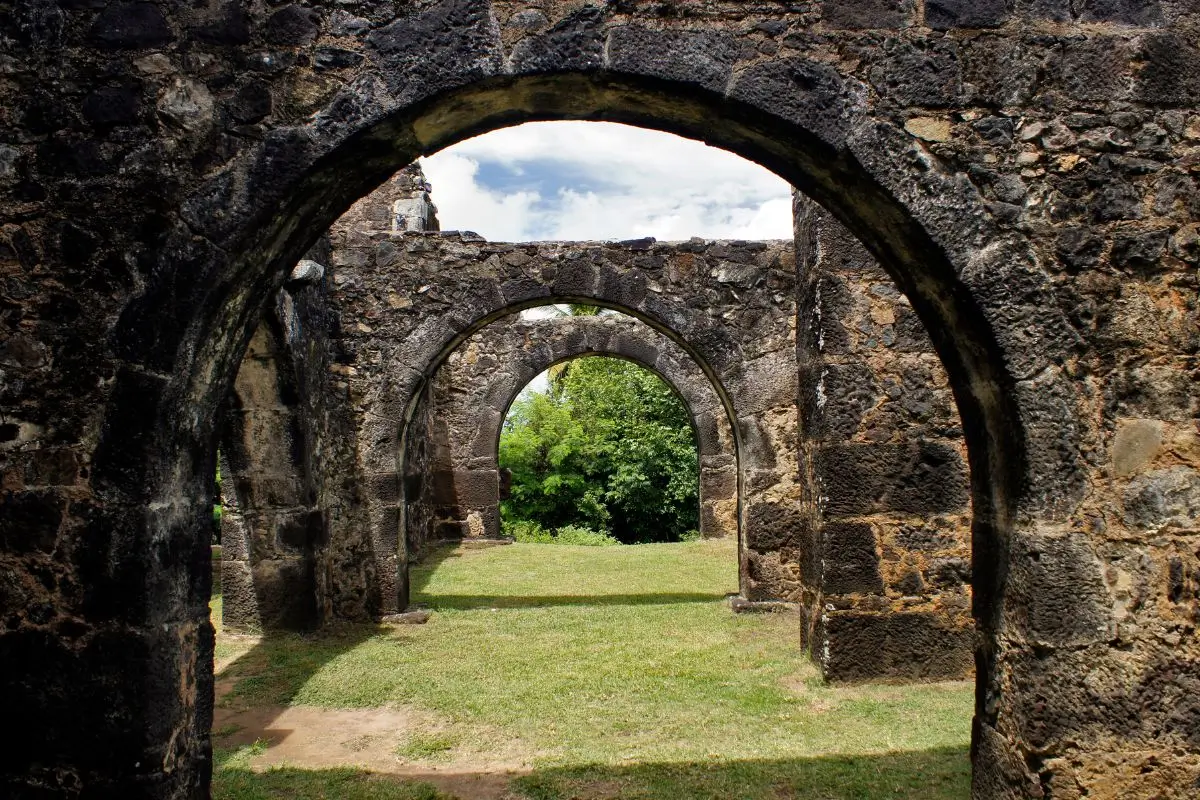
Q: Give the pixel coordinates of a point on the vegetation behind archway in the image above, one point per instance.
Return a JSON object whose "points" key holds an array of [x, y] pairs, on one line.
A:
{"points": [[610, 448]]}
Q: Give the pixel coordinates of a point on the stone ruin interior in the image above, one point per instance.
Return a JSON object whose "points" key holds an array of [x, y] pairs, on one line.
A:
{"points": [[854, 407], [954, 423]]}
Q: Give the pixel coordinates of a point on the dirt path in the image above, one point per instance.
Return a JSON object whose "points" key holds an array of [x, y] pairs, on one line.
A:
{"points": [[320, 738]]}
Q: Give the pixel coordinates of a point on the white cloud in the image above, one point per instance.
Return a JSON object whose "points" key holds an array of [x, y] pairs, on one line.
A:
{"points": [[587, 180], [463, 204]]}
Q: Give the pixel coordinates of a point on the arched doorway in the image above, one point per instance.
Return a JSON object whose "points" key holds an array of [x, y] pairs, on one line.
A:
{"points": [[244, 229]]}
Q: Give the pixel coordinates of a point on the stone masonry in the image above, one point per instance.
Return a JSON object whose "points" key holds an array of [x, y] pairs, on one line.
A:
{"points": [[464, 408], [884, 444], [1024, 171], [406, 301], [882, 504]]}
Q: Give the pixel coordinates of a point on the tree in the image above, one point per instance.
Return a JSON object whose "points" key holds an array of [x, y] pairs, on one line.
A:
{"points": [[610, 448]]}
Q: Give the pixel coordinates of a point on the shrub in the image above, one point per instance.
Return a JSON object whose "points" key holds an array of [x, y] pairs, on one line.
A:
{"points": [[608, 447], [690, 536], [527, 531], [574, 534]]}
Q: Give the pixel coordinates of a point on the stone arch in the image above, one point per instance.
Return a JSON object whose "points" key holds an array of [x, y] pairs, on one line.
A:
{"points": [[473, 391], [827, 122], [421, 295], [979, 333]]}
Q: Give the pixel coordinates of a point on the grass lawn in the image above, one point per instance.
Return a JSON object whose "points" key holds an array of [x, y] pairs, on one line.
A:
{"points": [[606, 672]]}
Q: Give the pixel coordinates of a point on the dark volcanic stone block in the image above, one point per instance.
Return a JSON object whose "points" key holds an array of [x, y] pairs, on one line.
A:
{"points": [[1057, 594], [285, 596], [850, 390], [131, 26], [913, 645], [773, 525], [926, 477], [239, 603], [945, 14], [806, 92], [577, 42], [1126, 12], [920, 74], [851, 563], [704, 60], [866, 14]]}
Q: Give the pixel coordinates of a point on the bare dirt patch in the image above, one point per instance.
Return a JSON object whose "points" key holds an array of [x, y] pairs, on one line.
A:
{"points": [[317, 738]]}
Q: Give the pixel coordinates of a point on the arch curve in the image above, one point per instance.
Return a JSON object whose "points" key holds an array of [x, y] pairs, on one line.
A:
{"points": [[470, 397], [445, 72]]}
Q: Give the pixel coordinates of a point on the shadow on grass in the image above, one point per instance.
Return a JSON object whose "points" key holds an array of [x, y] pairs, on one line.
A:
{"points": [[938, 774], [279, 664], [465, 601], [423, 567]]}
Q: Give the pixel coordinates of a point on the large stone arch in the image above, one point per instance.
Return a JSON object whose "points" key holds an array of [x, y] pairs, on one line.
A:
{"points": [[464, 408], [888, 119]]}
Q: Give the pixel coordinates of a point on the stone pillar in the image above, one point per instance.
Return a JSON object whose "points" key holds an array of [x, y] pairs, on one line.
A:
{"points": [[270, 523], [885, 448]]}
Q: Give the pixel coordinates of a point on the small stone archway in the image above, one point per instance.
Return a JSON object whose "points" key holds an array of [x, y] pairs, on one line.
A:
{"points": [[455, 435], [151, 340]]}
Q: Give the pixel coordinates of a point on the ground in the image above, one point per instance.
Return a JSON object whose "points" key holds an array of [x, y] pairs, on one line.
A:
{"points": [[550, 672]]}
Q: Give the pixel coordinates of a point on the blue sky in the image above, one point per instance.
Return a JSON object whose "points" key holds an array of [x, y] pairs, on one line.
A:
{"points": [[593, 180]]}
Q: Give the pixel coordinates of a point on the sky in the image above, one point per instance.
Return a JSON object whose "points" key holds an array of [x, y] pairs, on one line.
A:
{"points": [[602, 180]]}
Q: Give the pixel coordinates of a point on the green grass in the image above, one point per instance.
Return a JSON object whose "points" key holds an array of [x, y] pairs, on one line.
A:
{"points": [[427, 746], [623, 667], [235, 780]]}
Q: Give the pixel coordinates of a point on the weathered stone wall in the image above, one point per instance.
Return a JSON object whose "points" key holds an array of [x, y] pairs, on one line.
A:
{"points": [[402, 203], [406, 301], [457, 491], [885, 446], [267, 575], [295, 553], [1025, 171]]}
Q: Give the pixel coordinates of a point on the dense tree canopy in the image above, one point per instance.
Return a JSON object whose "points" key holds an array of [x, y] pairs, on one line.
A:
{"points": [[608, 447]]}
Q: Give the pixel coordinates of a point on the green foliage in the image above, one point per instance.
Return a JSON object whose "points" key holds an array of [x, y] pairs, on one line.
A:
{"points": [[573, 534], [529, 532], [217, 508], [609, 448], [526, 531]]}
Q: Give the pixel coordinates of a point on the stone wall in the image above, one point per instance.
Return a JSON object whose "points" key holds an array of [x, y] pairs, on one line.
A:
{"points": [[405, 301], [884, 443], [451, 464], [294, 554], [267, 570], [1025, 171]]}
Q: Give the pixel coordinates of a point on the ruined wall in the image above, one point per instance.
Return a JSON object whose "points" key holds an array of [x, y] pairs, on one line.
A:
{"points": [[401, 203], [405, 301], [451, 463], [267, 570], [884, 444], [1026, 171], [295, 556]]}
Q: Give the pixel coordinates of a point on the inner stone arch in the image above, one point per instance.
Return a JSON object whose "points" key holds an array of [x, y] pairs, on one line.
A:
{"points": [[456, 430], [807, 328], [418, 296]]}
